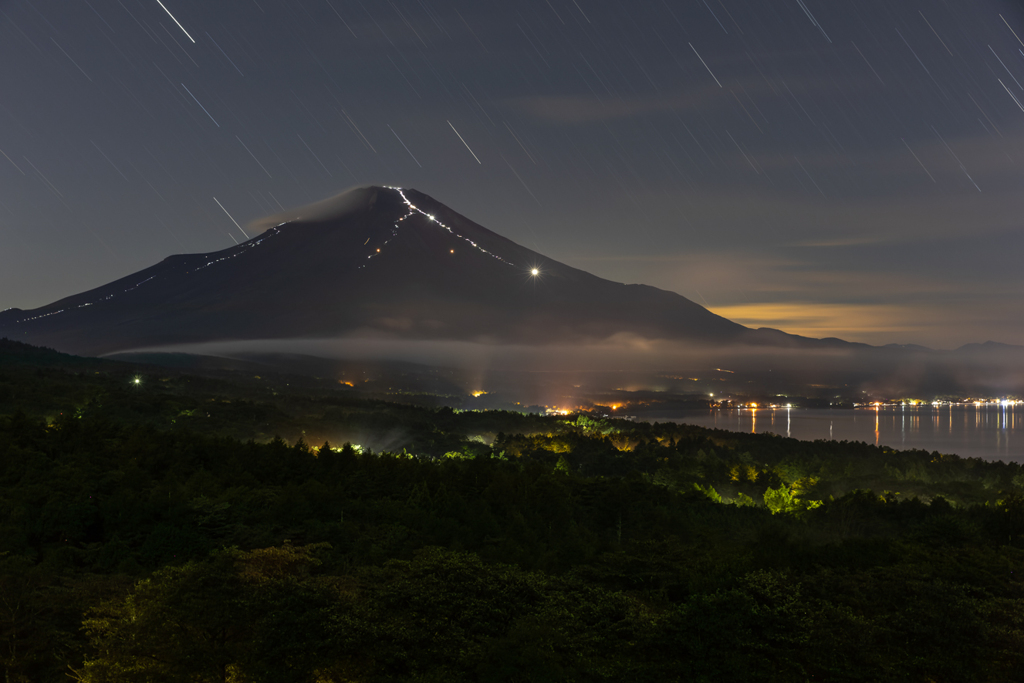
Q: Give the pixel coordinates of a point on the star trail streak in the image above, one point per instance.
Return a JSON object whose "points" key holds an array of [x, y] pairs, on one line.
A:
{"points": [[176, 21], [465, 143]]}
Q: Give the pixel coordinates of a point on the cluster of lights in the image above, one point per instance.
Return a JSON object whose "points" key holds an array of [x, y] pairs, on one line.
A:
{"points": [[557, 411], [238, 251], [751, 405], [1002, 402]]}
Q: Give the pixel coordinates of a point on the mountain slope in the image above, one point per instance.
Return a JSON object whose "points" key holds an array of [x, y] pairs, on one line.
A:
{"points": [[380, 260]]}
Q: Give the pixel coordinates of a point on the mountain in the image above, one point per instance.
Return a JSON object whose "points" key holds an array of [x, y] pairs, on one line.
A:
{"points": [[397, 276], [373, 260]]}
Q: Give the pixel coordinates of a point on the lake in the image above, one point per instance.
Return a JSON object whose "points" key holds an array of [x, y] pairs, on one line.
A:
{"points": [[991, 432]]}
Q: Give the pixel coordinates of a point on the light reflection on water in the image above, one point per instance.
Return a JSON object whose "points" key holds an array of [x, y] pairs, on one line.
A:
{"points": [[992, 432]]}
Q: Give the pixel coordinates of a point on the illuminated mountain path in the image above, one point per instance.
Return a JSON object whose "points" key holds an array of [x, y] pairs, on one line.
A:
{"points": [[413, 210]]}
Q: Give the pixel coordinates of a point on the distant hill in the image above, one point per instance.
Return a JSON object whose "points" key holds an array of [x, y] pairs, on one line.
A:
{"points": [[13, 353]]}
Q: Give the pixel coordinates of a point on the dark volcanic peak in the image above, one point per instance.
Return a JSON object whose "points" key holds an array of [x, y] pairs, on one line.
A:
{"points": [[373, 260]]}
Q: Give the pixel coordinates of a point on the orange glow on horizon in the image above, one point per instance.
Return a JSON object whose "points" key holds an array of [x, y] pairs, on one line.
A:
{"points": [[853, 322]]}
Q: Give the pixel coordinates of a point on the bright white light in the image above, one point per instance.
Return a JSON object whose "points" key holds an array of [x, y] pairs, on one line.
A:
{"points": [[535, 272]]}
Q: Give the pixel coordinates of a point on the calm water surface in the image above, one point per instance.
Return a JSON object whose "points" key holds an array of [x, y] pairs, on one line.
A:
{"points": [[991, 432]]}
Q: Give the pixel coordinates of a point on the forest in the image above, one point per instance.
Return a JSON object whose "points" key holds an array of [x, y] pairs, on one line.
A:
{"points": [[162, 526]]}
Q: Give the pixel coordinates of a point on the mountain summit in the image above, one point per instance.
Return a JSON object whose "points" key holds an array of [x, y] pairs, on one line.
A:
{"points": [[379, 260]]}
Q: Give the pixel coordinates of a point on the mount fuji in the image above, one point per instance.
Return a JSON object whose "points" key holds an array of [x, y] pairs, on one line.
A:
{"points": [[372, 260]]}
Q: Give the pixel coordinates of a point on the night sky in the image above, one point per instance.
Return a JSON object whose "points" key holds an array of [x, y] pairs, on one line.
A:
{"points": [[851, 169]]}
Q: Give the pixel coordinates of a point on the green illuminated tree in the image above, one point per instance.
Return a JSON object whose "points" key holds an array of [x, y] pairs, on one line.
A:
{"points": [[782, 500], [562, 466]]}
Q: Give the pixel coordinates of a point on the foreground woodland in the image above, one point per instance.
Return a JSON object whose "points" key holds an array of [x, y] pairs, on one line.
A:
{"points": [[156, 530]]}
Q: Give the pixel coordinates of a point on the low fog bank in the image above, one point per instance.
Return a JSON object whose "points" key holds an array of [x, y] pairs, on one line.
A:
{"points": [[626, 362]]}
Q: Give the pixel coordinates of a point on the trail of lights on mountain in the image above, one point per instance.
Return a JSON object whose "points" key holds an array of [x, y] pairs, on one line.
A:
{"points": [[413, 210], [241, 249], [238, 251], [89, 303]]}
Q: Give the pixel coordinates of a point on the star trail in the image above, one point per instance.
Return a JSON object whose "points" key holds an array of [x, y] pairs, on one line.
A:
{"points": [[847, 169]]}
